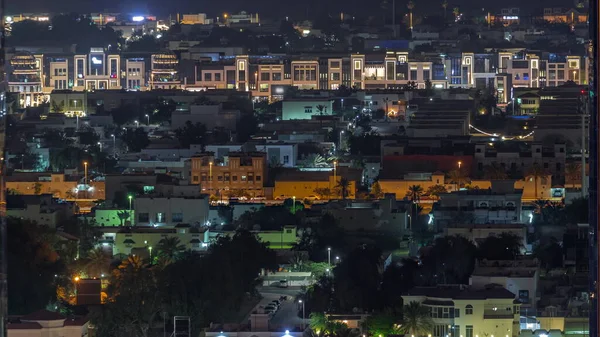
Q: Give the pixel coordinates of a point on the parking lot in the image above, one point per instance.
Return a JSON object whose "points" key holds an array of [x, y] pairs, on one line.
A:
{"points": [[286, 316]]}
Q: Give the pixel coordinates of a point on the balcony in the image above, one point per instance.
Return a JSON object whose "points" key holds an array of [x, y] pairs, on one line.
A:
{"points": [[498, 315]]}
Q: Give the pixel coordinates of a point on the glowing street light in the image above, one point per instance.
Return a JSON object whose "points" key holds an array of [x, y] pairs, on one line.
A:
{"points": [[329, 256], [85, 179], [303, 315], [130, 197], [148, 119], [459, 164]]}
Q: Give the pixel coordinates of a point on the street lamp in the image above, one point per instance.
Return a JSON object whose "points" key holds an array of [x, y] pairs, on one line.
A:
{"points": [[137, 124], [459, 164], [130, 197], [85, 163], [150, 249], [114, 144], [210, 176], [329, 256], [303, 314], [340, 143], [100, 145], [148, 119], [294, 205]]}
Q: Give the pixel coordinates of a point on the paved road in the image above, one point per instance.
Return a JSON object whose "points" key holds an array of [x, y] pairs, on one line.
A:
{"points": [[287, 315]]}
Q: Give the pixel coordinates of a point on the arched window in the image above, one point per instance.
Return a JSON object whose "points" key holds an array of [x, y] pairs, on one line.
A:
{"points": [[469, 310]]}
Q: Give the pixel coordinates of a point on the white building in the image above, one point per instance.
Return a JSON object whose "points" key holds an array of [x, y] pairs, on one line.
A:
{"points": [[520, 277], [463, 311], [169, 212], [306, 108], [47, 323], [283, 153]]}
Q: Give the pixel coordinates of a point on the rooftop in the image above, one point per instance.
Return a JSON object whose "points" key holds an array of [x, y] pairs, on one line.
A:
{"points": [[461, 293]]}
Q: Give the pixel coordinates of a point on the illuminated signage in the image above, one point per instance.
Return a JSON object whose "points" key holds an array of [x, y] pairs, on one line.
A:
{"points": [[510, 18], [96, 60], [137, 18]]}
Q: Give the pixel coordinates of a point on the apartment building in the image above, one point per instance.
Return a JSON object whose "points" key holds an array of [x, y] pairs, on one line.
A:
{"points": [[25, 77], [164, 72], [238, 172], [464, 311], [267, 76]]}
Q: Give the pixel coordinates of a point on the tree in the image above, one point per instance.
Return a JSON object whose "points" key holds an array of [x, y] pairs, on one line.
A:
{"points": [[343, 186], [32, 263], [414, 193], [170, 247], [134, 301], [537, 172], [435, 191], [506, 246], [445, 6], [381, 324], [191, 134], [97, 262], [358, 278], [125, 113], [323, 192], [136, 139], [457, 177], [145, 43], [314, 160], [37, 188], [549, 253], [450, 260], [376, 190], [494, 172], [572, 174], [416, 320]]}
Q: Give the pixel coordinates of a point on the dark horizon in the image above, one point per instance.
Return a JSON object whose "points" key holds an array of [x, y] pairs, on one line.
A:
{"points": [[266, 8]]}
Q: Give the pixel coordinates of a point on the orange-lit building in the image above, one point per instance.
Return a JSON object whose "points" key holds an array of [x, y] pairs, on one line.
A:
{"points": [[562, 15], [59, 185], [236, 173]]}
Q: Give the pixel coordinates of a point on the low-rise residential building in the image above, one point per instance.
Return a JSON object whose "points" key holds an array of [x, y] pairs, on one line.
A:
{"points": [[465, 311], [171, 211], [142, 240], [48, 323], [316, 184], [60, 186], [519, 276], [385, 215], [42, 209], [479, 232], [237, 173], [500, 204], [306, 108]]}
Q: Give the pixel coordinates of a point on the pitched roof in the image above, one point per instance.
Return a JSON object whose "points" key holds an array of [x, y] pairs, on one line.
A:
{"points": [[43, 315]]}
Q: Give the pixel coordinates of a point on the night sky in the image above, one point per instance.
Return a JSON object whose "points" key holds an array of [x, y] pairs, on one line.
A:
{"points": [[264, 7]]}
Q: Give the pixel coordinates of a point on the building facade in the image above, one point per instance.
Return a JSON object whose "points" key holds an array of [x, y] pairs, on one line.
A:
{"points": [[238, 173]]}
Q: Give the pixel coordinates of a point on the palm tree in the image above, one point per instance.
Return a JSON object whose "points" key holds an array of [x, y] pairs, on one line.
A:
{"points": [[494, 172], [319, 323], [572, 173], [344, 187], [133, 264], [314, 160], [436, 190], [445, 6], [97, 262], [537, 172], [457, 177], [414, 193], [123, 215], [416, 320], [456, 12], [410, 6], [170, 247]]}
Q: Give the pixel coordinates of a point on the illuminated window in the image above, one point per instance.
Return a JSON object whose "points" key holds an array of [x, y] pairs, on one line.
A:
{"points": [[469, 310], [242, 66], [356, 65], [467, 60]]}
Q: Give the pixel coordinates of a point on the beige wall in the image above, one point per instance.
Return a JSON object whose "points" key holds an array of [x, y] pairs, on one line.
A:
{"points": [[305, 189], [58, 188]]}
